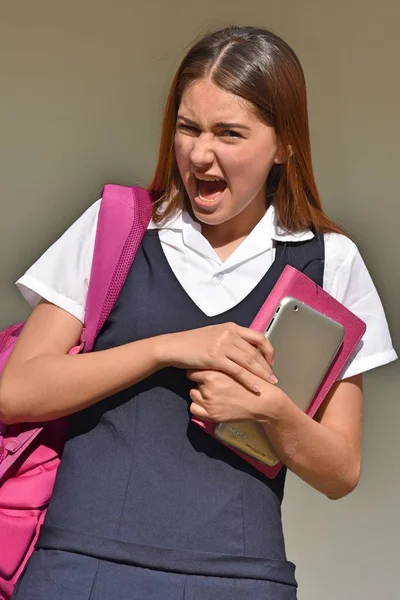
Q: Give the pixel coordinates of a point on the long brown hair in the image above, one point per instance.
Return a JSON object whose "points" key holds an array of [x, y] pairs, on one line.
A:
{"points": [[260, 67]]}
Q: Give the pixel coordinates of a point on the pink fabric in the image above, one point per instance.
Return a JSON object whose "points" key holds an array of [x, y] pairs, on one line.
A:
{"points": [[29, 461], [126, 228], [24, 496], [296, 284]]}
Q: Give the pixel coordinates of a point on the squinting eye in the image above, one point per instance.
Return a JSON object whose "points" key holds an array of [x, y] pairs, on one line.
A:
{"points": [[187, 128], [230, 133]]}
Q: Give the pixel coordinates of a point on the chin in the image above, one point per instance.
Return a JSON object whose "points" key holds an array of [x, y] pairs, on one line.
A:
{"points": [[210, 217]]}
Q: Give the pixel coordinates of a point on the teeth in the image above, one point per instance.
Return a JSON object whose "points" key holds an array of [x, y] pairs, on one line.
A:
{"points": [[209, 178], [207, 200]]}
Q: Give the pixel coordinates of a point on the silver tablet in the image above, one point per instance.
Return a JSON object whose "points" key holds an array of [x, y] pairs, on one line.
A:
{"points": [[305, 343]]}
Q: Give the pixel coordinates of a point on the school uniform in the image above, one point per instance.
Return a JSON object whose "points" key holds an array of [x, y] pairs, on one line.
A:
{"points": [[146, 505]]}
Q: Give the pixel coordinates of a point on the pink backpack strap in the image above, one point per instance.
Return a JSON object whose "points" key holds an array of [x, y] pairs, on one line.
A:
{"points": [[124, 216]]}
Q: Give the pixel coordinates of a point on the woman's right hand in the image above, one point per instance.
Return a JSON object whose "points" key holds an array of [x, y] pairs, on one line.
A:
{"points": [[237, 351]]}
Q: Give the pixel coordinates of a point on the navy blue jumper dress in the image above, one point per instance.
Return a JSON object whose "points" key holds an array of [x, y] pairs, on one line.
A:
{"points": [[146, 505]]}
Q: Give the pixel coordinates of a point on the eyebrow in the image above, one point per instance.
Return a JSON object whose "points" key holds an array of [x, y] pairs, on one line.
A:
{"points": [[220, 124]]}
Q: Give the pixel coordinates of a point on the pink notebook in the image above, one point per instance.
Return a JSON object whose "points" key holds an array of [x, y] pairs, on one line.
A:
{"points": [[294, 283]]}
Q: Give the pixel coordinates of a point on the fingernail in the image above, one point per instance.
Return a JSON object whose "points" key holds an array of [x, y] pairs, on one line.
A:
{"points": [[256, 388], [273, 379]]}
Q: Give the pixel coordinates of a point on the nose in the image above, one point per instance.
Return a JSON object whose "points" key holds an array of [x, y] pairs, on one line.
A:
{"points": [[202, 153]]}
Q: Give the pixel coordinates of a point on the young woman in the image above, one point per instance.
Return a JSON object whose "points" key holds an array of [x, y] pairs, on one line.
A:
{"points": [[146, 505]]}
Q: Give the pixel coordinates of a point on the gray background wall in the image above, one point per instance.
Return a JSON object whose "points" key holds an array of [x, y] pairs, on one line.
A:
{"points": [[82, 88]]}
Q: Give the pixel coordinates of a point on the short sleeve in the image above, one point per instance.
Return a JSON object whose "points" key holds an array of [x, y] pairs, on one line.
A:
{"points": [[61, 275], [347, 279]]}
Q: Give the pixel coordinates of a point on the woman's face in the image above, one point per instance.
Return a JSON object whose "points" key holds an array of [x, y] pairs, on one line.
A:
{"points": [[224, 153]]}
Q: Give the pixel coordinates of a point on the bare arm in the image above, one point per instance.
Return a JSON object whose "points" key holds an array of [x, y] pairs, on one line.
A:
{"points": [[42, 382], [325, 453]]}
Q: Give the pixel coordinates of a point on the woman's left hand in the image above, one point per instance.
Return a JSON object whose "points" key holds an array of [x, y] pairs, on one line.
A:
{"points": [[218, 397]]}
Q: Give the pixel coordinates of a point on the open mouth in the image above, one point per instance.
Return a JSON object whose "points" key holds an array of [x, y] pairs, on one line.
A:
{"points": [[209, 189]]}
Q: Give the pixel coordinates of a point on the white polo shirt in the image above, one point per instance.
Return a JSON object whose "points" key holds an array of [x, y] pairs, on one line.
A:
{"points": [[61, 275]]}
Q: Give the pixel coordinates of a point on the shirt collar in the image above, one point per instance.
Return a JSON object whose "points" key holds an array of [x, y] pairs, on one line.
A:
{"points": [[259, 240], [282, 235]]}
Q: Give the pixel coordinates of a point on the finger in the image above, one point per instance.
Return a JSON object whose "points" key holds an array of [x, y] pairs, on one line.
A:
{"points": [[197, 407], [199, 412], [195, 396], [197, 376], [258, 339], [268, 351], [240, 374], [254, 352], [245, 359]]}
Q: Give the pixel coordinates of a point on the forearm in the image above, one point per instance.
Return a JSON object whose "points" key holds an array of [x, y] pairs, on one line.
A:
{"points": [[320, 455], [50, 386]]}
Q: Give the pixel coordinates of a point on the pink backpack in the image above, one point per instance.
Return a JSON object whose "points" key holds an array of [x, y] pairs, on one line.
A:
{"points": [[30, 454]]}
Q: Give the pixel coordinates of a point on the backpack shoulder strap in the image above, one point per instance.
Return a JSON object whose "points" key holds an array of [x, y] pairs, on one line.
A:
{"points": [[123, 219], [124, 216]]}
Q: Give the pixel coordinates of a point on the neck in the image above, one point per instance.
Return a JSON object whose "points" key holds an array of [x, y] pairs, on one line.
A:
{"points": [[226, 237]]}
